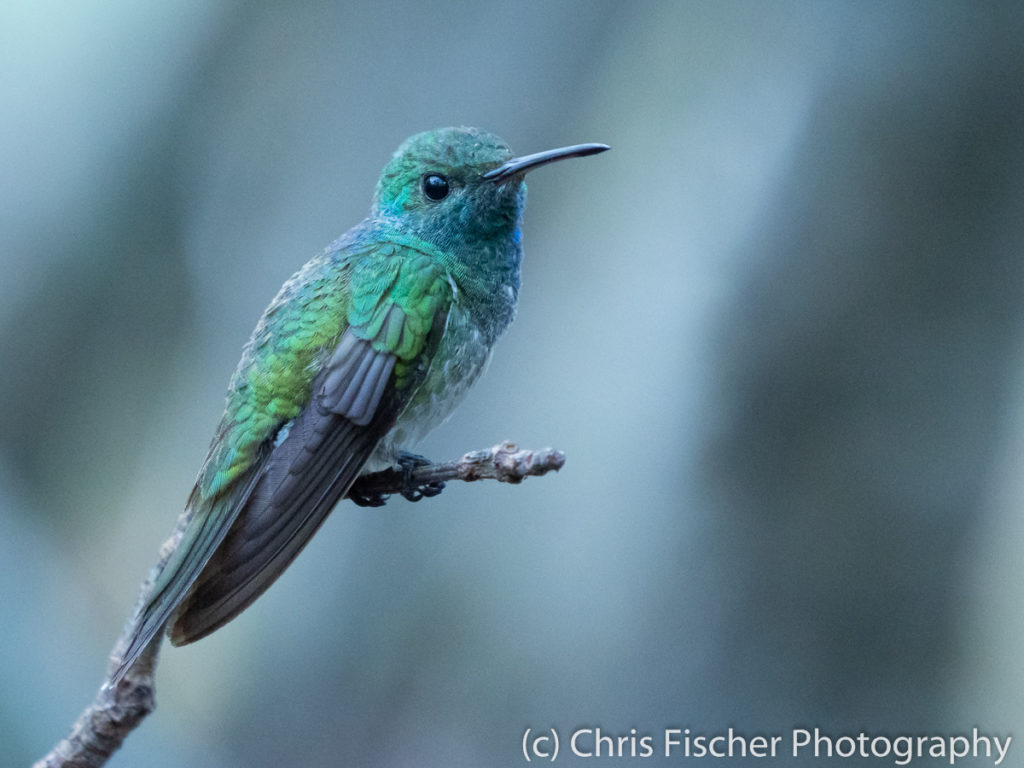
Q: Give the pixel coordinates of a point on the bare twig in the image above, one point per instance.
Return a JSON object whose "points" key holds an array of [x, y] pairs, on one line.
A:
{"points": [[113, 714], [504, 462], [117, 710]]}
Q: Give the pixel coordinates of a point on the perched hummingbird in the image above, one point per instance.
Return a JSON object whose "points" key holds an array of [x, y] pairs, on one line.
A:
{"points": [[363, 351]]}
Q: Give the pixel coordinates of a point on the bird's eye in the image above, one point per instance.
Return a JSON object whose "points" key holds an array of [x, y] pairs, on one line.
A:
{"points": [[435, 186]]}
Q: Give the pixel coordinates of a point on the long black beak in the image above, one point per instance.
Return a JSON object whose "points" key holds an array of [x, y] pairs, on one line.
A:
{"points": [[526, 163]]}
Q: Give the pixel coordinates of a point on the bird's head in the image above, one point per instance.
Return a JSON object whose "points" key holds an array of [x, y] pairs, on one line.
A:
{"points": [[459, 187]]}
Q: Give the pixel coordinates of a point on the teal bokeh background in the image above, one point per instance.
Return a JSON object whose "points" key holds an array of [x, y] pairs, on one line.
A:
{"points": [[777, 331]]}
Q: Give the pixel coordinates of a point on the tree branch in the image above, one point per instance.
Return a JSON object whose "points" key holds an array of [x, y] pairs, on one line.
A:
{"points": [[118, 710], [503, 462]]}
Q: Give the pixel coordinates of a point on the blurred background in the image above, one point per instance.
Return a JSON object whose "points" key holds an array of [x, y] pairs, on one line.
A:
{"points": [[778, 331]]}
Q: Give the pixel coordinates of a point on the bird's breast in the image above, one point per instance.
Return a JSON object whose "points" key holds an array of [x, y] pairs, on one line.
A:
{"points": [[461, 356]]}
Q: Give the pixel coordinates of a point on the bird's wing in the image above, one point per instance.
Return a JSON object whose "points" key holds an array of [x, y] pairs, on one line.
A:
{"points": [[368, 380], [240, 540]]}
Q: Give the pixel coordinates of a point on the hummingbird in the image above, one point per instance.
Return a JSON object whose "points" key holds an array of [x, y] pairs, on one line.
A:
{"points": [[369, 346]]}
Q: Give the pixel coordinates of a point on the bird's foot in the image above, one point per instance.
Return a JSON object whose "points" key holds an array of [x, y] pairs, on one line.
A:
{"points": [[368, 500], [411, 490]]}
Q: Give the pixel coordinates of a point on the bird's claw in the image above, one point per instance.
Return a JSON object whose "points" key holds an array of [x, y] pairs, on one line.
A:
{"points": [[367, 500], [416, 491]]}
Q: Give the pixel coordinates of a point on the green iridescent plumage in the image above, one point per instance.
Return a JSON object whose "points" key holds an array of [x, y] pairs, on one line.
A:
{"points": [[364, 350]]}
